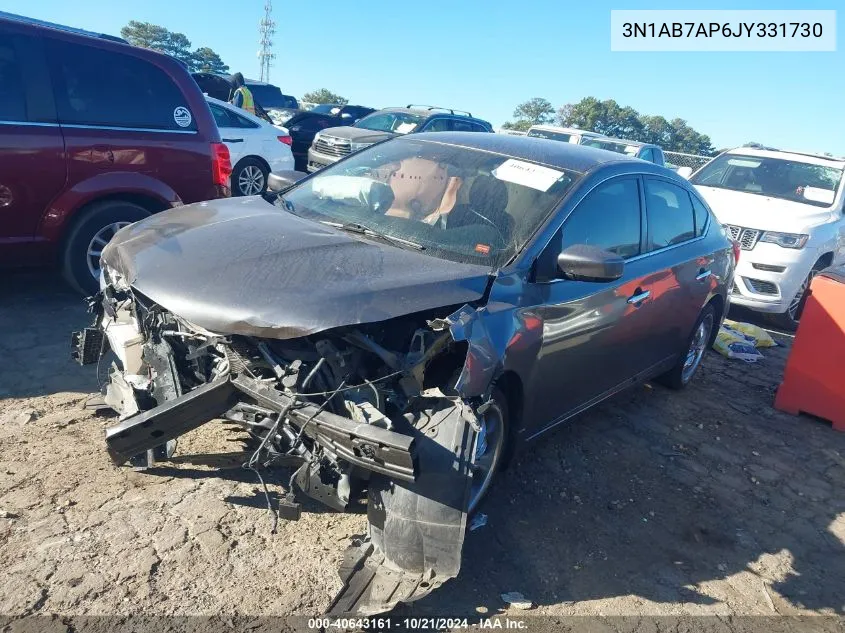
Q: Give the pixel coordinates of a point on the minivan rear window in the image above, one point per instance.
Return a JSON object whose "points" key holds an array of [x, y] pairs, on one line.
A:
{"points": [[100, 87], [12, 92]]}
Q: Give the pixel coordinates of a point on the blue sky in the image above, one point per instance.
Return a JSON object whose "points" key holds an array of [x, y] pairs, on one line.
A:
{"points": [[487, 56]]}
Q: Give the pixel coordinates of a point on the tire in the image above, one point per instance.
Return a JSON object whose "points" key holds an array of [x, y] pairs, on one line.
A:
{"points": [[699, 340], [249, 177], [789, 320], [95, 225]]}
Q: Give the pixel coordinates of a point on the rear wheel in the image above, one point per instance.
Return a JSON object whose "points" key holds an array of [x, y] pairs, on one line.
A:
{"points": [[84, 243], [249, 177], [682, 373]]}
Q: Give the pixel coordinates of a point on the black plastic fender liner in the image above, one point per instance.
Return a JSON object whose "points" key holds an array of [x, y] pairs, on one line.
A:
{"points": [[416, 531]]}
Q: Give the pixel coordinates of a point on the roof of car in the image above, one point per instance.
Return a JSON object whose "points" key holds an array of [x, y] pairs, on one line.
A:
{"points": [[61, 27], [540, 150], [610, 139], [565, 130], [804, 157], [431, 111]]}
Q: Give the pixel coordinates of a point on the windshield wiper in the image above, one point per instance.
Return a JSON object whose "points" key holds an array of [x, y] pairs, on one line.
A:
{"points": [[352, 227]]}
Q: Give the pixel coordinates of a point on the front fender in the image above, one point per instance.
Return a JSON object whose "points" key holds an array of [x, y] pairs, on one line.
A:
{"points": [[106, 184]]}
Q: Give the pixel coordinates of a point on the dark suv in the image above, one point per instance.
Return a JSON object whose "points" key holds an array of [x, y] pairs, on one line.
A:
{"points": [[94, 135], [334, 143]]}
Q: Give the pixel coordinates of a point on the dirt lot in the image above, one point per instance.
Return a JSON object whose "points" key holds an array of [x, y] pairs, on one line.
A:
{"points": [[701, 502]]}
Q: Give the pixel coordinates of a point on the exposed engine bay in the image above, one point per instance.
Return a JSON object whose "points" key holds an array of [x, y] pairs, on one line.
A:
{"points": [[369, 410]]}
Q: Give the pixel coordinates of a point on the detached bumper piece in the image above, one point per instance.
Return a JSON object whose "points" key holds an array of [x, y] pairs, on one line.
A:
{"points": [[150, 429]]}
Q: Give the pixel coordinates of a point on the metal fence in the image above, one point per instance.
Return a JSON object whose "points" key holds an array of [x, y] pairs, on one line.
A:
{"points": [[693, 161]]}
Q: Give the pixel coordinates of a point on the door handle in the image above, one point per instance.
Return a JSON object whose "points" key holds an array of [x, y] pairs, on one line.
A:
{"points": [[703, 274], [233, 140], [639, 297]]}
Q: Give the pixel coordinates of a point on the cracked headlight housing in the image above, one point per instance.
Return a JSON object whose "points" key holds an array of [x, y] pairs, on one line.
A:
{"points": [[787, 240]]}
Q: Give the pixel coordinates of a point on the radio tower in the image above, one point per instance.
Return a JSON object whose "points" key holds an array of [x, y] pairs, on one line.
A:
{"points": [[266, 29]]}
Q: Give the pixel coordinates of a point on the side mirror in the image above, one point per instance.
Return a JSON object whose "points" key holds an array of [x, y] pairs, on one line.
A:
{"points": [[684, 172], [281, 180], [590, 263]]}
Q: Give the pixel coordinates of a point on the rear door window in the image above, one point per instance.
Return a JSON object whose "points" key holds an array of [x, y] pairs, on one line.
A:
{"points": [[106, 88], [609, 217], [12, 92], [669, 212]]}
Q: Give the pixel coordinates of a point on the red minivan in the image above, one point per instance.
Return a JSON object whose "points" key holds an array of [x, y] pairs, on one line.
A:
{"points": [[94, 134]]}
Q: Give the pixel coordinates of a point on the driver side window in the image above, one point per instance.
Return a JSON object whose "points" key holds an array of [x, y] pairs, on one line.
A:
{"points": [[609, 217]]}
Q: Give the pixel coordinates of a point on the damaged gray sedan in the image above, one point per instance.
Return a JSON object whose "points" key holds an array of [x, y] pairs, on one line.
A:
{"points": [[396, 324]]}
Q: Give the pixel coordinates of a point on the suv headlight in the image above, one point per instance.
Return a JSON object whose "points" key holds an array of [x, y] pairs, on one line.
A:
{"points": [[356, 147], [787, 240], [317, 137]]}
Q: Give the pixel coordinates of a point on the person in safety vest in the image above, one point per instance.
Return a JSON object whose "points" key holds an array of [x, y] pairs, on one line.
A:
{"points": [[242, 97]]}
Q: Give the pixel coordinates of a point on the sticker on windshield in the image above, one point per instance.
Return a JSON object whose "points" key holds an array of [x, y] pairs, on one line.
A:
{"points": [[404, 128], [814, 194], [484, 249], [182, 116], [520, 172]]}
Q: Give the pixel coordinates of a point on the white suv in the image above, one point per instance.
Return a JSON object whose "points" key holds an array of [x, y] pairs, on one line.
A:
{"points": [[786, 211]]}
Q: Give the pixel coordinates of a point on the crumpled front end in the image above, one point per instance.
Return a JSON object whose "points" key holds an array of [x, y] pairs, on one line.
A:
{"points": [[369, 407]]}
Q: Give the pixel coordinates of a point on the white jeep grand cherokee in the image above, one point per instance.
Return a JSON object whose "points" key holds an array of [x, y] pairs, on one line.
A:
{"points": [[786, 211]]}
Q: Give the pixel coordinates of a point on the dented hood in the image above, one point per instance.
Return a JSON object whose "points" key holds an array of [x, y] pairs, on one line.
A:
{"points": [[244, 266]]}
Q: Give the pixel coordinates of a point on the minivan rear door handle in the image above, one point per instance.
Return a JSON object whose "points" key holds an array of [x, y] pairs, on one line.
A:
{"points": [[639, 296]]}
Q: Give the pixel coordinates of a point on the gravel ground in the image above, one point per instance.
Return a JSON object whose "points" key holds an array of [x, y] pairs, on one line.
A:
{"points": [[706, 501]]}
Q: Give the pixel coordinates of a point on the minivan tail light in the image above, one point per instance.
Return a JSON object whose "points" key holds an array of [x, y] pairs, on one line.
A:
{"points": [[221, 164], [287, 140]]}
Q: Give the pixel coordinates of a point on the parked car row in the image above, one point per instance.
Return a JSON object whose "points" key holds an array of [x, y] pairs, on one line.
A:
{"points": [[79, 159]]}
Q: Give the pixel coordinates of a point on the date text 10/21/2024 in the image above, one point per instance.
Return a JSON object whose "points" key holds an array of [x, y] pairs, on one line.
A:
{"points": [[416, 624]]}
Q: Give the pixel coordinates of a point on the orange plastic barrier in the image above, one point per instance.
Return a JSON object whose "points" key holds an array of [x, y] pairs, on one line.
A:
{"points": [[814, 380]]}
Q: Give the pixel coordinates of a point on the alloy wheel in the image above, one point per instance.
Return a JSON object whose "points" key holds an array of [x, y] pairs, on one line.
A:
{"points": [[96, 245], [251, 180], [697, 347], [489, 444], [796, 306]]}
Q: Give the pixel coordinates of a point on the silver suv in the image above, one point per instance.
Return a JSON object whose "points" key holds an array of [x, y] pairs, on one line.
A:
{"points": [[334, 143]]}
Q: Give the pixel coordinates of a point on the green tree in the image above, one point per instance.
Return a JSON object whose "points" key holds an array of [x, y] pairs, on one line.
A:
{"points": [[535, 111], [207, 61], [324, 95], [609, 118], [158, 38]]}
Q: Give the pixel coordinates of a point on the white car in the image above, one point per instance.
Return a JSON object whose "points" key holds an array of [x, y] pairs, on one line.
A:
{"points": [[786, 211], [564, 134], [257, 148]]}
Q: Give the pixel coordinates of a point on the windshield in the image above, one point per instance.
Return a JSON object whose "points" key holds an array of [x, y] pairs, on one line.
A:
{"points": [[397, 122], [456, 203], [555, 136], [612, 146], [775, 177], [326, 108]]}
